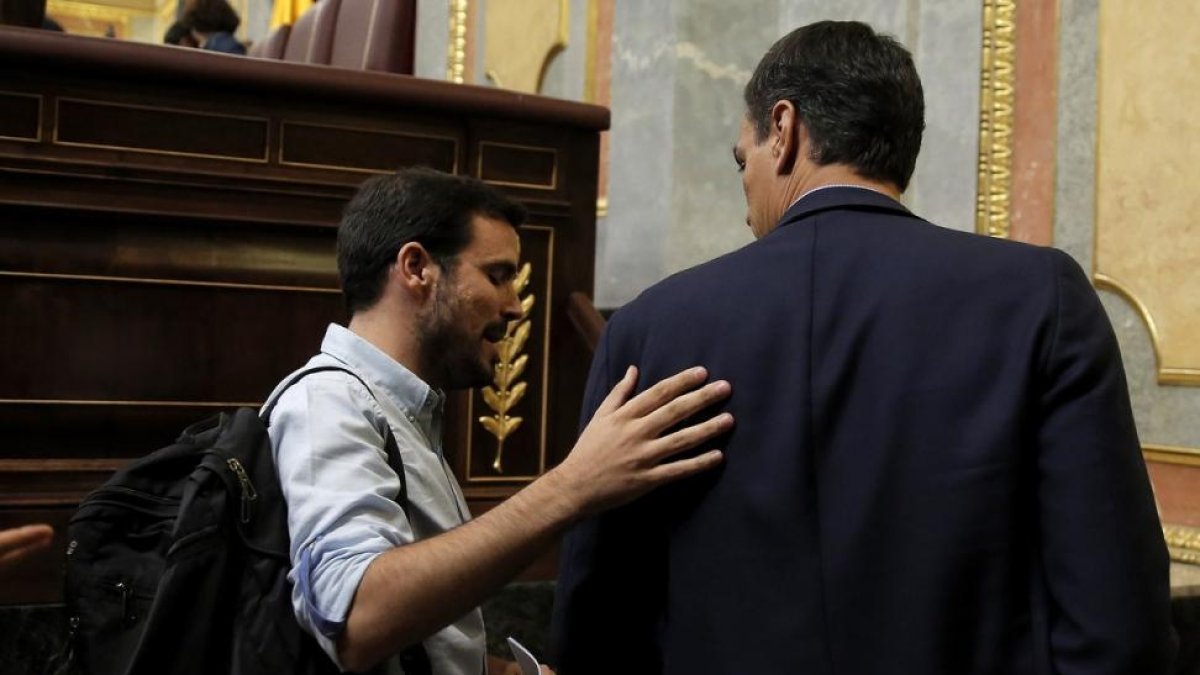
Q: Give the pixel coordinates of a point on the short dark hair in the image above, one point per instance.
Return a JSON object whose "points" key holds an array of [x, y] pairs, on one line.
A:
{"points": [[177, 33], [856, 91], [212, 16], [421, 205]]}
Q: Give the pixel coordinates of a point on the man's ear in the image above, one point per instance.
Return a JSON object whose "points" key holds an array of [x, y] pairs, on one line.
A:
{"points": [[785, 139], [414, 269]]}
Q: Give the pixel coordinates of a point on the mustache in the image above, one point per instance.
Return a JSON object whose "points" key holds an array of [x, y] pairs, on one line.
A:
{"points": [[495, 332]]}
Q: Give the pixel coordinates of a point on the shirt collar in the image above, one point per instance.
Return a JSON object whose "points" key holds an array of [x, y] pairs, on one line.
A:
{"points": [[828, 197], [419, 402]]}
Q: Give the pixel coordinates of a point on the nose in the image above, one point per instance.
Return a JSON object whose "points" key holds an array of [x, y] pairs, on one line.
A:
{"points": [[512, 307]]}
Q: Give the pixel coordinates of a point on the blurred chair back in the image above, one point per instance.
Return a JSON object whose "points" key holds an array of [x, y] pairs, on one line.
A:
{"points": [[375, 35], [311, 39], [24, 13], [272, 46]]}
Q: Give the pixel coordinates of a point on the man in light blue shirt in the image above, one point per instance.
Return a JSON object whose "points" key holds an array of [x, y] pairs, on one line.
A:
{"points": [[426, 262]]}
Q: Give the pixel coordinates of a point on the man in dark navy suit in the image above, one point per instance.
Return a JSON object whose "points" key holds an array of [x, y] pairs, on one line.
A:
{"points": [[935, 469]]}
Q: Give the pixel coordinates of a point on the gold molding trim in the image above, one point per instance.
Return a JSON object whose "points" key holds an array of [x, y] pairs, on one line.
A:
{"points": [[590, 58], [1183, 543], [266, 157], [456, 58], [1182, 376], [506, 390], [129, 404], [106, 9], [545, 424], [283, 130], [602, 206], [532, 186], [41, 109], [1171, 454], [993, 201], [167, 282]]}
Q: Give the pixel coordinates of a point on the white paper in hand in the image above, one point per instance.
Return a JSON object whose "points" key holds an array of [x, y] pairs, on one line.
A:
{"points": [[528, 664]]}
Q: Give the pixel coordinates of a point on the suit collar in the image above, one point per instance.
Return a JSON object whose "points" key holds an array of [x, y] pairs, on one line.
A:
{"points": [[834, 197]]}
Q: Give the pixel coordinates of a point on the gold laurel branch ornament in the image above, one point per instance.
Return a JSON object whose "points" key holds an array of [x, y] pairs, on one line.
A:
{"points": [[506, 390]]}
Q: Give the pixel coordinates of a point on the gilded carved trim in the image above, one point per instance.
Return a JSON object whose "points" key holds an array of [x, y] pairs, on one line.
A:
{"points": [[1166, 375], [507, 390], [1183, 543], [548, 292], [993, 202], [456, 60]]}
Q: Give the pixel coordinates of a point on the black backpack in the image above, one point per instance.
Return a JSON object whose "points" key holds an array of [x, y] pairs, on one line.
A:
{"points": [[178, 564]]}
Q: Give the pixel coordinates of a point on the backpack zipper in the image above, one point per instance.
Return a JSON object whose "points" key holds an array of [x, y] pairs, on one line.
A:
{"points": [[249, 494]]}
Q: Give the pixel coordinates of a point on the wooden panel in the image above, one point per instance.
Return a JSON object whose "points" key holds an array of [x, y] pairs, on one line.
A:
{"points": [[20, 116], [374, 150], [172, 255], [48, 242], [95, 340], [53, 482], [163, 130], [52, 431], [524, 166]]}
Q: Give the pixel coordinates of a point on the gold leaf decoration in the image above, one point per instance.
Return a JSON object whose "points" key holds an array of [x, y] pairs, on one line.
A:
{"points": [[506, 391]]}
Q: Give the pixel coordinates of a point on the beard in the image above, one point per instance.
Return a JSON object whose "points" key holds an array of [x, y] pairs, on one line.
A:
{"points": [[451, 351]]}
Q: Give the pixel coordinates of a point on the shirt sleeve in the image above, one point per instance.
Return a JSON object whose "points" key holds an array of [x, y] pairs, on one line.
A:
{"points": [[327, 434]]}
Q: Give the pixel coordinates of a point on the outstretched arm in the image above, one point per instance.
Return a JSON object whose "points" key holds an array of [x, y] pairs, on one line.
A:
{"points": [[412, 591]]}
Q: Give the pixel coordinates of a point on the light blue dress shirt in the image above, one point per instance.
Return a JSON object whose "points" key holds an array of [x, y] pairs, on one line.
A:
{"points": [[327, 431]]}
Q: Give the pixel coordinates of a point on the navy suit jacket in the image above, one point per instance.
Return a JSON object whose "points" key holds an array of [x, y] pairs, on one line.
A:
{"points": [[934, 468]]}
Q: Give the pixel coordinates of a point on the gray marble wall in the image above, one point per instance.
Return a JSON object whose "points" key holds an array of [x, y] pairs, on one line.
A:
{"points": [[433, 39]]}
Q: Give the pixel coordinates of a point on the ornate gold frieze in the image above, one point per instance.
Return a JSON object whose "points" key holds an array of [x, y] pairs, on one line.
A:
{"points": [[507, 389], [993, 202], [456, 62]]}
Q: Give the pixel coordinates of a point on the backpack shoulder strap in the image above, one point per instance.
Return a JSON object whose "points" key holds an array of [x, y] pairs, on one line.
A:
{"points": [[415, 659], [390, 448]]}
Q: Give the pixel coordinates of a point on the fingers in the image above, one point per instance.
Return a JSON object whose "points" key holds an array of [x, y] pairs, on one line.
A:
{"points": [[690, 437], [665, 391], [21, 541], [673, 471], [687, 405], [29, 536], [620, 393]]}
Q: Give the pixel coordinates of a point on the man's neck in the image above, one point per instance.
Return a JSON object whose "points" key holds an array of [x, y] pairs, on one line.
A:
{"points": [[381, 330], [813, 177]]}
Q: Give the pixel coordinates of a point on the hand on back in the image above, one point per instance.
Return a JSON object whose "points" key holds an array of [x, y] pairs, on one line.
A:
{"points": [[623, 454]]}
